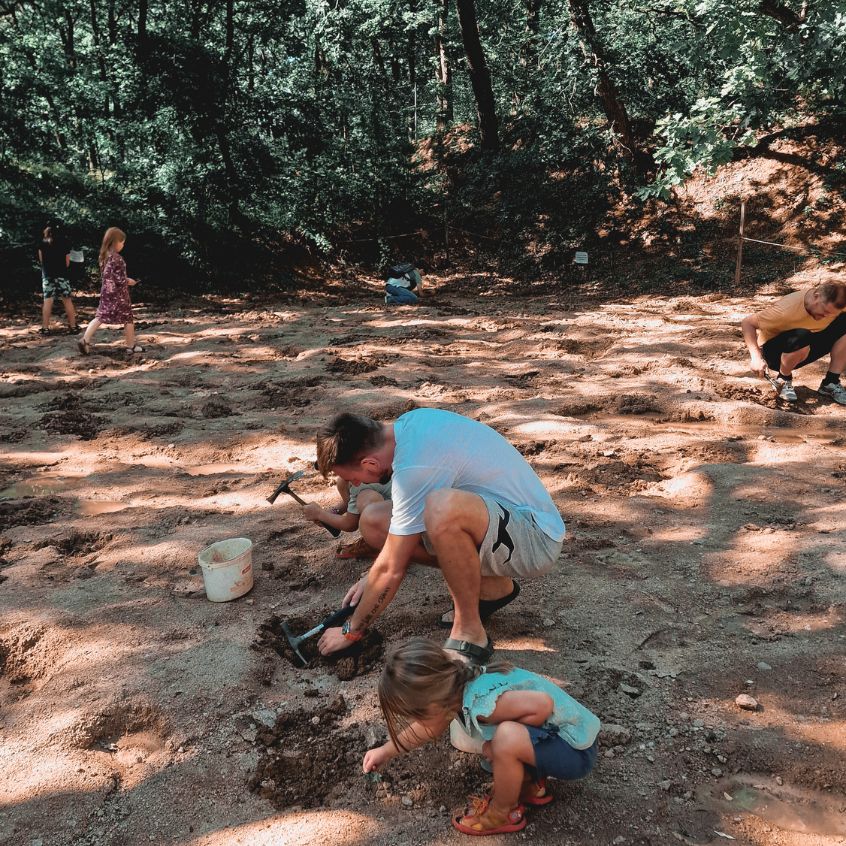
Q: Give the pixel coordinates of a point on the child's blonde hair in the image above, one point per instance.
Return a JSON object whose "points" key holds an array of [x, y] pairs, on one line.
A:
{"points": [[419, 676], [113, 236]]}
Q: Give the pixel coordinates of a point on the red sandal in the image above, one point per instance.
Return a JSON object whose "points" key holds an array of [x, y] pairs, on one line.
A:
{"points": [[477, 819], [356, 549], [535, 793]]}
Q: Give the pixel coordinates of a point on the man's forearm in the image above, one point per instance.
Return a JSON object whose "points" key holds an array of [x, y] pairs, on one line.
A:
{"points": [[382, 584], [750, 336]]}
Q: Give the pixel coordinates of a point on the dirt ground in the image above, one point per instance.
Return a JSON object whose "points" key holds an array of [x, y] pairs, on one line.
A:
{"points": [[704, 559]]}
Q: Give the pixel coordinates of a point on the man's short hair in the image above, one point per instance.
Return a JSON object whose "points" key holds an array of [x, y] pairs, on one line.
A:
{"points": [[345, 439], [834, 293]]}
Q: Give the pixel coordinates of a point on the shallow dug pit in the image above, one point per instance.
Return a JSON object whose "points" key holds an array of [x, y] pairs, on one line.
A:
{"points": [[306, 755], [30, 511], [359, 659], [106, 730]]}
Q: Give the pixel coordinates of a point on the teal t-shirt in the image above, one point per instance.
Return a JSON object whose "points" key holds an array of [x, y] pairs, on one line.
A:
{"points": [[574, 723], [439, 449]]}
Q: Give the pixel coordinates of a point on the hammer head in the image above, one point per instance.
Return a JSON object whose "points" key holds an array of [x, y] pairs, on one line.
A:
{"points": [[283, 485], [294, 642]]}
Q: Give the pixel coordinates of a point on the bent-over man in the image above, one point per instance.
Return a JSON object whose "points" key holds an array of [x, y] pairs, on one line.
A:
{"points": [[464, 500], [794, 331]]}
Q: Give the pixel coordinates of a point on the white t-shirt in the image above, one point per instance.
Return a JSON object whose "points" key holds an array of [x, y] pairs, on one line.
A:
{"points": [[438, 449]]}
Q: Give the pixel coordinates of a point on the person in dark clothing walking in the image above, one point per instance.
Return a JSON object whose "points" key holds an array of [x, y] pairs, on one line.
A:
{"points": [[54, 258]]}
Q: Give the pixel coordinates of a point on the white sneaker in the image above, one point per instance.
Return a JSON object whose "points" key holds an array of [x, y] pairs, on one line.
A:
{"points": [[786, 390], [834, 390]]}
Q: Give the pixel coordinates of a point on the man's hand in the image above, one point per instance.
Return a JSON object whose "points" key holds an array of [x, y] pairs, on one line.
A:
{"points": [[131, 282], [757, 364], [332, 641], [354, 594], [378, 757]]}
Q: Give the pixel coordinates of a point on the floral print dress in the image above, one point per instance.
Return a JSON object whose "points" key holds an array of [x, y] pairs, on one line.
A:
{"points": [[115, 306]]}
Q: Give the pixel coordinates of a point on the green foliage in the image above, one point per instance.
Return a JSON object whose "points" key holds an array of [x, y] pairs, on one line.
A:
{"points": [[210, 138]]}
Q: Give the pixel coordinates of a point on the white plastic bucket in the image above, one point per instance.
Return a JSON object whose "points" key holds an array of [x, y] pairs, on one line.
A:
{"points": [[463, 741], [227, 568]]}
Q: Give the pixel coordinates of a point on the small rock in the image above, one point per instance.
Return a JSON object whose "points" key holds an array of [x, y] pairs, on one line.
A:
{"points": [[763, 666], [650, 758], [746, 702], [315, 720], [549, 622], [250, 601], [613, 734], [629, 690], [407, 801], [609, 753], [779, 781], [699, 724], [619, 839], [665, 785], [716, 772]]}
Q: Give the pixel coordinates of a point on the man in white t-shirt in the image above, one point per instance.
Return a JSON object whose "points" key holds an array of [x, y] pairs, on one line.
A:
{"points": [[464, 500]]}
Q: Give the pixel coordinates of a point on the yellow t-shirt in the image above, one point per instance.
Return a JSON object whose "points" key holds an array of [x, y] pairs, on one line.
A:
{"points": [[785, 314]]}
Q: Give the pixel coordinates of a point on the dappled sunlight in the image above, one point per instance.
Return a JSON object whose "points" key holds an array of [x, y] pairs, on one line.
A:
{"points": [[340, 828], [699, 544], [523, 644]]}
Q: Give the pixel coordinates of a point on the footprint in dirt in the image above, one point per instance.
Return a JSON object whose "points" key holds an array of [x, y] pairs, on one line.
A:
{"points": [[357, 660]]}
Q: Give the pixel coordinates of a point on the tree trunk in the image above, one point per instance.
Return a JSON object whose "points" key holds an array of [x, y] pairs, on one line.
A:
{"points": [[230, 31], [612, 105], [480, 77], [443, 71], [143, 8]]}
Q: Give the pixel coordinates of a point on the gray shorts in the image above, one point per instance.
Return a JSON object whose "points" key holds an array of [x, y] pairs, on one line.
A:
{"points": [[514, 545], [383, 490]]}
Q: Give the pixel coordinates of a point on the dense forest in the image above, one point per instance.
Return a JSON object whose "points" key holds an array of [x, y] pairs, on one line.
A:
{"points": [[222, 134]]}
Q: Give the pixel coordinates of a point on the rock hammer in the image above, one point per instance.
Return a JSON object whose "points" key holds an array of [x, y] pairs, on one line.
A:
{"points": [[284, 487]]}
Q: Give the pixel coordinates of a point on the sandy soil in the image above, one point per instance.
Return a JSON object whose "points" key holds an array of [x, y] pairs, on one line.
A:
{"points": [[705, 559]]}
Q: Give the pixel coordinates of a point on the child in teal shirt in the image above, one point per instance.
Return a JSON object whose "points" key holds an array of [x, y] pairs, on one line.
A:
{"points": [[530, 728]]}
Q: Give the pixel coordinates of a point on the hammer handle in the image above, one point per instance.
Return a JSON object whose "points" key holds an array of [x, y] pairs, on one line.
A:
{"points": [[331, 529]]}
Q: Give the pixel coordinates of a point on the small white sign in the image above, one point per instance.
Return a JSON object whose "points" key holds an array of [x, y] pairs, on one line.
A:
{"points": [[581, 258], [76, 255]]}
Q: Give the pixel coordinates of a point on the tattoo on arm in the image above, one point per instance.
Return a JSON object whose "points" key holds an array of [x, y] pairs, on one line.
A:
{"points": [[374, 611]]}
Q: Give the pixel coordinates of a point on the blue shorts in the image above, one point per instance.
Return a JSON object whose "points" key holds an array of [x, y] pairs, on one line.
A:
{"points": [[555, 757]]}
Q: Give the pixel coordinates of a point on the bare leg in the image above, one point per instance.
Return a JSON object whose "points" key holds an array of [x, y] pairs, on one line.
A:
{"points": [[511, 749], [373, 525], [456, 523], [792, 359], [129, 335], [46, 312], [90, 329], [70, 311], [838, 356]]}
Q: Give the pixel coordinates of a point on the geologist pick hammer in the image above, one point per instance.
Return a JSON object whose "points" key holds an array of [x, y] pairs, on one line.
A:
{"points": [[284, 488]]}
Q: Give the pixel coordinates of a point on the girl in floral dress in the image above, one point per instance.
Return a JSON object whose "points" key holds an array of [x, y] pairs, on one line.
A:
{"points": [[115, 307]]}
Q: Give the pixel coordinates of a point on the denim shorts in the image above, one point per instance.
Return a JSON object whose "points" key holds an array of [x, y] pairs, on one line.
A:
{"points": [[55, 286], [555, 757]]}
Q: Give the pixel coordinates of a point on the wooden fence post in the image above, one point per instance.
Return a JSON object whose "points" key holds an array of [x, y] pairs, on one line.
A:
{"points": [[740, 243]]}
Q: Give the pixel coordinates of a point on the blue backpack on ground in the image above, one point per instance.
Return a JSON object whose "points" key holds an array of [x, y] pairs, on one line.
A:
{"points": [[402, 281]]}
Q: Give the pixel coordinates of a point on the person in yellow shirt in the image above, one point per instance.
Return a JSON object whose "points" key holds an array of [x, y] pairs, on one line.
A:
{"points": [[796, 330]]}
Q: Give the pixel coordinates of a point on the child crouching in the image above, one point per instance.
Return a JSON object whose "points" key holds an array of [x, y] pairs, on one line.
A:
{"points": [[530, 727]]}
